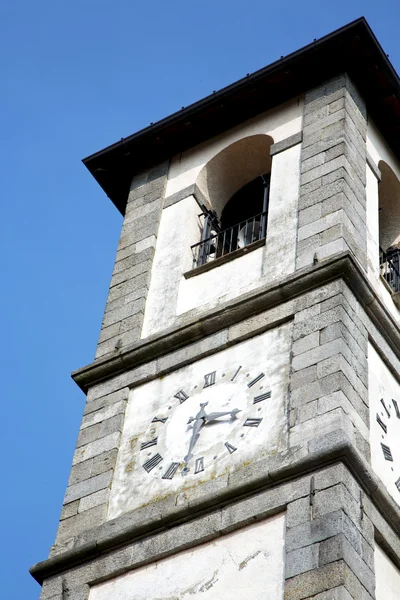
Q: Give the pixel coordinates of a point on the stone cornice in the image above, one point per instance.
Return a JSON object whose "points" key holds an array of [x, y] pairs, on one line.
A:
{"points": [[194, 327], [328, 449]]}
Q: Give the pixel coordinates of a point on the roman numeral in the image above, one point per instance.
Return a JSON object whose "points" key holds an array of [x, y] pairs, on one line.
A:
{"points": [[385, 407], [209, 379], [170, 472], [398, 484], [387, 453], [381, 423], [145, 445], [260, 376], [159, 420], [181, 396], [199, 465], [230, 448], [262, 397], [396, 408], [252, 422], [236, 372], [152, 462]]}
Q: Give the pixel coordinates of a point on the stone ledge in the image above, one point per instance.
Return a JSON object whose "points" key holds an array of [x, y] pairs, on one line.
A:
{"points": [[334, 447], [192, 328], [190, 190], [287, 143], [221, 260], [374, 167]]}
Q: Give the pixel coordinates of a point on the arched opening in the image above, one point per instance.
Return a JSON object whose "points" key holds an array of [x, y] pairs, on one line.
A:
{"points": [[236, 182], [389, 226]]}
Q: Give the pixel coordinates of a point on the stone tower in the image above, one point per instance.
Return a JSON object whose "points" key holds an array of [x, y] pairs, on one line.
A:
{"points": [[241, 435]]}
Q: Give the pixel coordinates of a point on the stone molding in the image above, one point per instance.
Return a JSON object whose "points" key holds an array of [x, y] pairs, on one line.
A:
{"points": [[194, 327], [287, 143], [338, 494], [190, 190], [374, 167]]}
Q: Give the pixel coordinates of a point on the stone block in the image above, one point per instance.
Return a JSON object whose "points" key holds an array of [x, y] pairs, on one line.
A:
{"points": [[298, 512], [301, 433], [80, 472], [52, 588], [301, 560], [109, 406], [307, 258], [319, 321], [306, 343], [303, 377], [87, 435], [307, 585], [314, 531], [312, 357], [339, 593], [142, 267], [149, 242], [123, 263], [103, 462], [310, 214], [108, 333], [88, 502], [87, 487], [314, 390], [75, 525], [69, 510], [96, 399], [94, 448], [339, 548], [111, 425]]}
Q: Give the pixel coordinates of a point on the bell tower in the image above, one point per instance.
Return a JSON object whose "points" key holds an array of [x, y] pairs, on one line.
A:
{"points": [[241, 433]]}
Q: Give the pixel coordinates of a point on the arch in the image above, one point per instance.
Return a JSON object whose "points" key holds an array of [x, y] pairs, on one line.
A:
{"points": [[389, 208], [233, 168]]}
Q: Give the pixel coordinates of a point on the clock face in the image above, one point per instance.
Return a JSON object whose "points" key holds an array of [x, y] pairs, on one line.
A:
{"points": [[203, 420], [384, 399]]}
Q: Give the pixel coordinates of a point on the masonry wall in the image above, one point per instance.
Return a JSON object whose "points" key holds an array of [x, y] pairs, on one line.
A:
{"points": [[334, 505], [130, 281], [332, 205]]}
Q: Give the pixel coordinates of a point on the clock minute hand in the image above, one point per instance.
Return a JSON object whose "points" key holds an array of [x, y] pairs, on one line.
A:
{"points": [[198, 424], [216, 415]]}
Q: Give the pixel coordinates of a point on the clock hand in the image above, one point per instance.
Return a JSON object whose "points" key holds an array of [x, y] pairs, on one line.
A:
{"points": [[216, 415], [198, 424]]}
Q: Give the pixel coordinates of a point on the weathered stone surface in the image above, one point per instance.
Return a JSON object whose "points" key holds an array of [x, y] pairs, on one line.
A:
{"points": [[333, 159]]}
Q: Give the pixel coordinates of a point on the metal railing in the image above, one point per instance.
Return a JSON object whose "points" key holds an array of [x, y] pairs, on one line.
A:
{"points": [[224, 242], [389, 263]]}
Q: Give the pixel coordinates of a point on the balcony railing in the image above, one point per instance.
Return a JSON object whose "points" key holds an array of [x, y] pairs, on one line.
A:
{"points": [[224, 242], [390, 268]]}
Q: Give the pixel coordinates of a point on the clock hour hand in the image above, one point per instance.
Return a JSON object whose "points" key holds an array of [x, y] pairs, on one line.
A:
{"points": [[198, 424], [216, 415]]}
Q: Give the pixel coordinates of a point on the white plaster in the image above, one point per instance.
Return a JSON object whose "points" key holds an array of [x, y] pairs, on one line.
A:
{"points": [[387, 576], [373, 269], [264, 265], [170, 294], [280, 252], [268, 353], [223, 283], [383, 385], [279, 123], [244, 564], [379, 148], [179, 227], [372, 225]]}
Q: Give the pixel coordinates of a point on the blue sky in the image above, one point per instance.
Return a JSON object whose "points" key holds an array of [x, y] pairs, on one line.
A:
{"points": [[75, 77]]}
